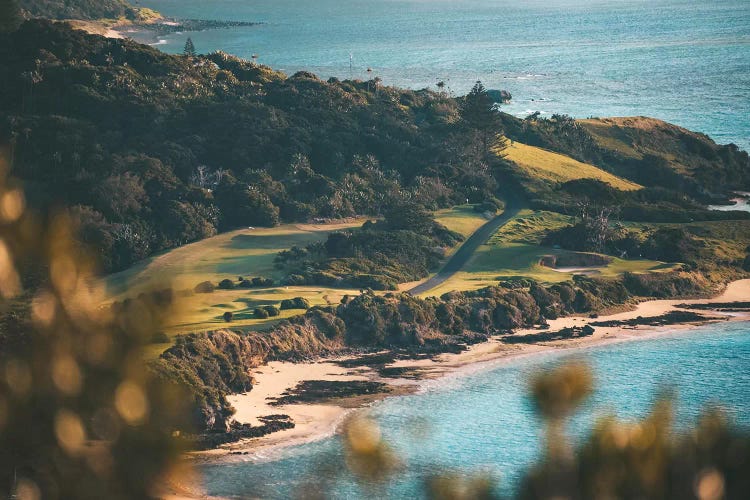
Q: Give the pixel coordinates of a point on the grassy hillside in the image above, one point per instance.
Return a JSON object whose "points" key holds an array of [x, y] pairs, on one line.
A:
{"points": [[243, 252], [543, 165], [646, 151], [637, 137], [79, 9], [463, 219], [170, 170]]}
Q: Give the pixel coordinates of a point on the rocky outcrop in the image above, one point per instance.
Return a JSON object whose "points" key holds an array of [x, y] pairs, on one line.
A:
{"points": [[500, 96]]}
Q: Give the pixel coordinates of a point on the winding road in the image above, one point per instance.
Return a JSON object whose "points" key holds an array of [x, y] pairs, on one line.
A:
{"points": [[463, 254]]}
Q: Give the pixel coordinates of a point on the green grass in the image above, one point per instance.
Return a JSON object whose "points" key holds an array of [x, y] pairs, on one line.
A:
{"points": [[461, 219], [515, 251], [544, 165], [244, 252], [248, 253], [530, 226]]}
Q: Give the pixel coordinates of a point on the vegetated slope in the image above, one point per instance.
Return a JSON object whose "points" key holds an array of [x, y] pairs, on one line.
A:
{"points": [[244, 252], [78, 9], [688, 153], [153, 151], [646, 151], [544, 165], [250, 253]]}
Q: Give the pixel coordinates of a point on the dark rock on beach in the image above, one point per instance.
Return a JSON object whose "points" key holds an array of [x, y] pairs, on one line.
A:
{"points": [[316, 391]]}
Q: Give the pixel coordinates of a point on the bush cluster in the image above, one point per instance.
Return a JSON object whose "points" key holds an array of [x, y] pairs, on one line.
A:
{"points": [[403, 247], [295, 303]]}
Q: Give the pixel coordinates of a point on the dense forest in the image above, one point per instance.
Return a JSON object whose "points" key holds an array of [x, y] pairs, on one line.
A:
{"points": [[151, 151], [147, 151]]}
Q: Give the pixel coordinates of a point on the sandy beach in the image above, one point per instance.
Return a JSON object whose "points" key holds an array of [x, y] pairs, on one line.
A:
{"points": [[316, 421]]}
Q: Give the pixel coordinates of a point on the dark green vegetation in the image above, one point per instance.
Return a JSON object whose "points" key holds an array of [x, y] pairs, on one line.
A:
{"points": [[717, 249], [675, 165], [215, 364], [401, 248], [152, 151], [78, 9]]}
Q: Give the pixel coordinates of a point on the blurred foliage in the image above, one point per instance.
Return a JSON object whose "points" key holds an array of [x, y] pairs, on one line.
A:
{"points": [[629, 460], [80, 416]]}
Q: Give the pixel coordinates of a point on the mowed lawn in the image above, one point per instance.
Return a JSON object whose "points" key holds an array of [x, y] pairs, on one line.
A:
{"points": [[244, 252], [461, 219], [515, 252], [248, 253], [545, 165]]}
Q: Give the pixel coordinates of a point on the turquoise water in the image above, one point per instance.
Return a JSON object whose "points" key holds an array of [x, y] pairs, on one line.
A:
{"points": [[482, 420], [685, 61]]}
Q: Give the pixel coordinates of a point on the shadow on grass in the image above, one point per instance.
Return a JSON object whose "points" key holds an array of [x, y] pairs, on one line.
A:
{"points": [[276, 241], [255, 303], [248, 265]]}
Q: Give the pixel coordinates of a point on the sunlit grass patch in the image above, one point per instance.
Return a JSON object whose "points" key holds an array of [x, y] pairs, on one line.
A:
{"points": [[461, 219], [529, 226], [545, 165], [245, 252]]}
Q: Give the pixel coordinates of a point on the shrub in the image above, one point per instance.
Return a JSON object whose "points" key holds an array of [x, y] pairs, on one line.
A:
{"points": [[228, 316], [262, 282], [204, 287], [486, 206], [226, 284], [245, 284], [295, 303], [272, 310], [295, 280], [261, 313]]}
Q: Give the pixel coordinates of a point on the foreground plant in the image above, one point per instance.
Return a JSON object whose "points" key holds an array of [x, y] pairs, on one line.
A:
{"points": [[80, 416]]}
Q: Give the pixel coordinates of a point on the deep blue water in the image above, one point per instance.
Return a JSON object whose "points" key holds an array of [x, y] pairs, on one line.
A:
{"points": [[685, 61], [484, 421]]}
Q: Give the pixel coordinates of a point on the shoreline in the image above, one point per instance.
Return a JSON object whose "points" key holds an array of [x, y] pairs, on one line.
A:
{"points": [[318, 420], [153, 31]]}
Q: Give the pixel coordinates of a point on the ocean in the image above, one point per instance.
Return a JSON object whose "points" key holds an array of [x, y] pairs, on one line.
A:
{"points": [[482, 420], [684, 61]]}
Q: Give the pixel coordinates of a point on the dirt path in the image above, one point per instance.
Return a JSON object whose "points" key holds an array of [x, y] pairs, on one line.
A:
{"points": [[462, 256]]}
